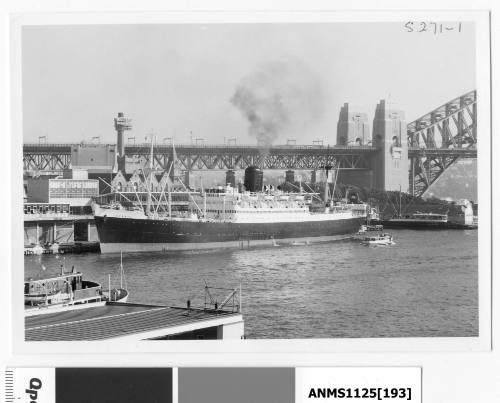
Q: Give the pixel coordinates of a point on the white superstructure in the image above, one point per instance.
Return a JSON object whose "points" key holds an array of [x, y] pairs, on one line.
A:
{"points": [[227, 204]]}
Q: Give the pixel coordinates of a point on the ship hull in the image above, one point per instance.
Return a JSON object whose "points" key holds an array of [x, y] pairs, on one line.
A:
{"points": [[136, 235]]}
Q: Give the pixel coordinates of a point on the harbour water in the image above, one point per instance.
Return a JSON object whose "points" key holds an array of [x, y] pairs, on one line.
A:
{"points": [[425, 285]]}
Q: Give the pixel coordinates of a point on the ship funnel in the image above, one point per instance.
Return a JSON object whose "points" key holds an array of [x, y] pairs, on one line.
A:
{"points": [[254, 179]]}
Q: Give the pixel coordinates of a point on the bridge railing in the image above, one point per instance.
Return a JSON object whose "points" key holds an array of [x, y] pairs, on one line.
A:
{"points": [[207, 146], [52, 145], [251, 146]]}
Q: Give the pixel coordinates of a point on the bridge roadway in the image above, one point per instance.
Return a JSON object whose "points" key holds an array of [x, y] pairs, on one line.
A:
{"points": [[211, 156]]}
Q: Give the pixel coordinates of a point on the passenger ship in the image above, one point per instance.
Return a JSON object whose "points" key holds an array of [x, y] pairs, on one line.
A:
{"points": [[227, 218]]}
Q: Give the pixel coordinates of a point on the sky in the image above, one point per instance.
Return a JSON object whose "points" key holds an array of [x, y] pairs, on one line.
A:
{"points": [[224, 81]]}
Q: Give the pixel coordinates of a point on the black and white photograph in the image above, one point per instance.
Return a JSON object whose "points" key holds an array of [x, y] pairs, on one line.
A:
{"points": [[247, 181]]}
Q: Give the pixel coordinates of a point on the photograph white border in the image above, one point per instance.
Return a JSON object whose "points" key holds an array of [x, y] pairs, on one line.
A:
{"points": [[299, 346]]}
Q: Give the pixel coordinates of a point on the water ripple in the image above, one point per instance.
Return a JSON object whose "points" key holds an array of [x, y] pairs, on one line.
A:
{"points": [[425, 285]]}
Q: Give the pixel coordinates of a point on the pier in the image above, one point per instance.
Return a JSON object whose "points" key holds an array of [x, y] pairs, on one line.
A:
{"points": [[53, 228]]}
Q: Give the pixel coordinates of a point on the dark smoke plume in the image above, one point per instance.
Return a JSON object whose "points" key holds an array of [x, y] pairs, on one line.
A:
{"points": [[281, 97]]}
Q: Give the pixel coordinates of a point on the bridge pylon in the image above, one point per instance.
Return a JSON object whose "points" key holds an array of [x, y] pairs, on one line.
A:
{"points": [[353, 128], [390, 164]]}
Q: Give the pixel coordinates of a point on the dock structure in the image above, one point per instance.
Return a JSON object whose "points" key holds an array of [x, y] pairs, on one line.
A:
{"points": [[48, 223], [134, 322]]}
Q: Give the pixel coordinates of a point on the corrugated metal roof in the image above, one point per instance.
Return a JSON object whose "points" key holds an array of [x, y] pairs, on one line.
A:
{"points": [[110, 321]]}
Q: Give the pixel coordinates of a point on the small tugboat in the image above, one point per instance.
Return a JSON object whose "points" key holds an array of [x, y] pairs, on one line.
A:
{"points": [[67, 290], [370, 228], [366, 231], [379, 239]]}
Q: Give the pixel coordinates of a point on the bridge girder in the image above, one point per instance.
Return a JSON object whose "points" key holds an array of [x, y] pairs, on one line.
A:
{"points": [[203, 158], [42, 161], [426, 164], [439, 138]]}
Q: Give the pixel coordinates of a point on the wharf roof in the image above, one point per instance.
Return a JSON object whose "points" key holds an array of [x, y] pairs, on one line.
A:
{"points": [[115, 320]]}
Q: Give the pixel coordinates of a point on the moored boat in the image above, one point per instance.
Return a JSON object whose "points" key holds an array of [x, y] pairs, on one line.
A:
{"points": [[418, 220], [370, 228], [463, 219], [67, 289], [33, 250]]}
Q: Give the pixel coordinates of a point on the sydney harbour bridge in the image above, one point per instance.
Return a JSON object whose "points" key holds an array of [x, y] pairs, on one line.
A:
{"points": [[435, 141]]}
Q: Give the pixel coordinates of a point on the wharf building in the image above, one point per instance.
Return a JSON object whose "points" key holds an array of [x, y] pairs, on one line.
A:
{"points": [[73, 188], [138, 182], [134, 322], [58, 209], [135, 189]]}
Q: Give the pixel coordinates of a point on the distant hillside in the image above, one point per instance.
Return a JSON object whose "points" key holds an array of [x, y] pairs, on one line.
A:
{"points": [[458, 182], [389, 204], [392, 203]]}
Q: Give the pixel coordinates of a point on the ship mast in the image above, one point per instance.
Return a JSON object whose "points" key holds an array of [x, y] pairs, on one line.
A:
{"points": [[109, 287], [326, 193], [121, 269], [400, 201], [172, 169], [336, 167], [150, 182], [204, 205]]}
